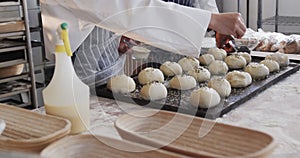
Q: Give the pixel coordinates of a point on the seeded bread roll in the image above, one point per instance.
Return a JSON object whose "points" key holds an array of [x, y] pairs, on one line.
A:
{"points": [[280, 58], [149, 75], [247, 56], [188, 63], [201, 74], [272, 65], [153, 91], [218, 67], [171, 68], [184, 82], [257, 71], [221, 85], [239, 79], [205, 97], [235, 61], [206, 59], [219, 54], [121, 84]]}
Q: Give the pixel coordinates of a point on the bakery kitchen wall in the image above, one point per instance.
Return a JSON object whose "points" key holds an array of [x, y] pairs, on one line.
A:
{"points": [[286, 8]]}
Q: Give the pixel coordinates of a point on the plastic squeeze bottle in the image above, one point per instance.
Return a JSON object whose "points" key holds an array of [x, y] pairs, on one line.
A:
{"points": [[66, 95]]}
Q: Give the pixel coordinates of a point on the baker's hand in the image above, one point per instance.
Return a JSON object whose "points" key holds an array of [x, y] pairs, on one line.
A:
{"points": [[123, 47], [228, 24], [222, 41]]}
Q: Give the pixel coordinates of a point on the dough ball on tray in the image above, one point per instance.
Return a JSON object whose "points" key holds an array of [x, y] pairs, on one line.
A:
{"points": [[218, 67], [246, 55], [282, 59], [171, 68], [235, 61], [206, 59], [239, 79], [205, 97], [183, 82], [257, 71], [188, 63], [201, 74], [221, 85], [149, 75], [219, 54], [121, 84], [272, 65], [154, 91]]}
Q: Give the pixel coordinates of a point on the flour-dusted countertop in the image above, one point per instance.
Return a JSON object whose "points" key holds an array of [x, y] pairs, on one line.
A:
{"points": [[275, 111]]}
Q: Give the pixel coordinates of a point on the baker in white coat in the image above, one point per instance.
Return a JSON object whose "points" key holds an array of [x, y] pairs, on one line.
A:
{"points": [[96, 26]]}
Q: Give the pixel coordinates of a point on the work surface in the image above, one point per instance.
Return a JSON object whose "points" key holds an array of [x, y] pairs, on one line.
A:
{"points": [[275, 111]]}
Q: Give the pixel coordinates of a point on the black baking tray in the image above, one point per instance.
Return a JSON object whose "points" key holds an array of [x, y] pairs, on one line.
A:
{"points": [[178, 101]]}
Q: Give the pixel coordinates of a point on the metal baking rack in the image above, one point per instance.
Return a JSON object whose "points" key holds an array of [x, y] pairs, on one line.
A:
{"points": [[276, 20], [16, 48]]}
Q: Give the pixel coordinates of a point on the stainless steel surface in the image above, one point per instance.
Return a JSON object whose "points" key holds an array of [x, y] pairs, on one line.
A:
{"points": [[14, 93], [276, 20], [21, 76], [282, 20], [11, 34], [29, 54], [12, 49], [11, 19], [12, 62], [9, 4]]}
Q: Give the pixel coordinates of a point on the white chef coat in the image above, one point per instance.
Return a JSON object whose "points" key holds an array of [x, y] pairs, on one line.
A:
{"points": [[165, 25], [97, 58]]}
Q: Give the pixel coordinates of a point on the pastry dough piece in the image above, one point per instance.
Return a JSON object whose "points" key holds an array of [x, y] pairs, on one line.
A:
{"points": [[154, 91], [188, 63], [205, 97], [272, 65], [121, 84], [149, 75], [206, 59], [218, 67], [201, 74], [282, 59], [235, 61], [184, 82], [257, 71], [221, 85], [171, 68], [247, 56], [239, 79], [219, 54]]}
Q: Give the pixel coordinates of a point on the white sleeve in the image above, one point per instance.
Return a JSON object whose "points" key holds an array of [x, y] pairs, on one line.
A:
{"points": [[209, 5], [168, 26]]}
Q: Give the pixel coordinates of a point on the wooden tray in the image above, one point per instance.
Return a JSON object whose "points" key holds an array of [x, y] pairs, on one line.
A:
{"points": [[11, 26], [30, 131], [90, 146], [11, 70], [179, 100], [179, 133]]}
